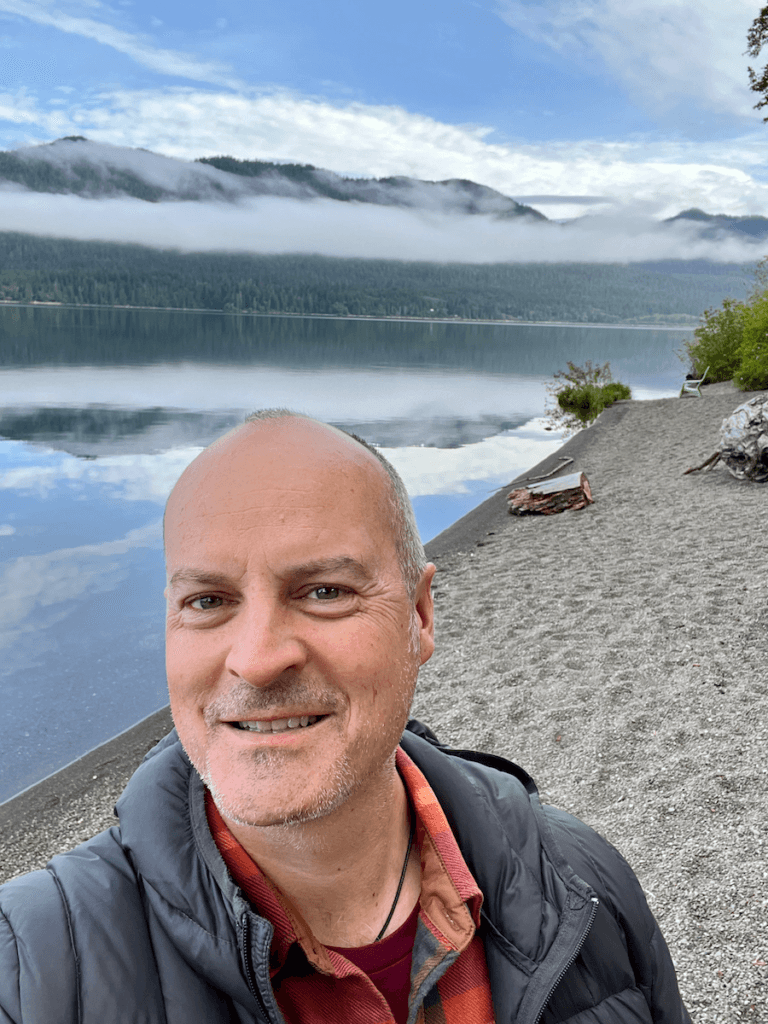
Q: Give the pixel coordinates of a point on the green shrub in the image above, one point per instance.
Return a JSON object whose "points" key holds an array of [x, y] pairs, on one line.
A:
{"points": [[581, 393], [717, 341], [588, 401], [751, 374], [616, 392]]}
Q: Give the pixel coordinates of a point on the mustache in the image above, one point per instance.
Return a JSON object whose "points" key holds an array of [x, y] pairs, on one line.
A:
{"points": [[243, 700]]}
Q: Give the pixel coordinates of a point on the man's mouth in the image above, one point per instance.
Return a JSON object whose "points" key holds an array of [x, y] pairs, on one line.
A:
{"points": [[279, 724]]}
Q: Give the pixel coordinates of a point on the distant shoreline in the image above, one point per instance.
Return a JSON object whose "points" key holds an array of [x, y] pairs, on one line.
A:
{"points": [[357, 317]]}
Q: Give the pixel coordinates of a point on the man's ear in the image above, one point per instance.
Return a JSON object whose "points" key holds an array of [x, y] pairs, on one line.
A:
{"points": [[425, 612]]}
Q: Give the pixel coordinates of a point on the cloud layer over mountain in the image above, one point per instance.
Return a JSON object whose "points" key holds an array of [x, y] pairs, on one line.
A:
{"points": [[275, 225], [213, 210]]}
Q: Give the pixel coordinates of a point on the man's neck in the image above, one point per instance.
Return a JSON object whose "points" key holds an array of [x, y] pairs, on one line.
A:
{"points": [[341, 871]]}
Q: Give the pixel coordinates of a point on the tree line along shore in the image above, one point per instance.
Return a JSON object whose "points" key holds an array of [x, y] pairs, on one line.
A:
{"points": [[50, 270]]}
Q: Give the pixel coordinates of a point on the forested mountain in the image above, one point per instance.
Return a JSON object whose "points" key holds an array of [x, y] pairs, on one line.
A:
{"points": [[75, 165], [712, 224], [34, 269]]}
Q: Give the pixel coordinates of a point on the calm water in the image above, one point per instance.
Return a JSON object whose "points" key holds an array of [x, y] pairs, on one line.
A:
{"points": [[101, 410]]}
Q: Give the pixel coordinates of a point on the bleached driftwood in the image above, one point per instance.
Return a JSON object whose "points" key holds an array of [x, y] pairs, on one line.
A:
{"points": [[743, 442], [552, 496]]}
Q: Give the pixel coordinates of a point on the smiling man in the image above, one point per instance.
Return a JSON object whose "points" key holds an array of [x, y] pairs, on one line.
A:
{"points": [[296, 850]]}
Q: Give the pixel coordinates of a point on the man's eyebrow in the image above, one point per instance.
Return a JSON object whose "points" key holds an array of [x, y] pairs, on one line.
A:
{"points": [[323, 566], [292, 574], [200, 578]]}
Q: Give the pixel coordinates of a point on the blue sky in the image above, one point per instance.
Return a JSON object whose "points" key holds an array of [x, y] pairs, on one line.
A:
{"points": [[643, 102]]}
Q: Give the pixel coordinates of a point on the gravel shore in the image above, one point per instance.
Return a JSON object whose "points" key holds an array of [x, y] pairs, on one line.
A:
{"points": [[620, 655], [617, 653]]}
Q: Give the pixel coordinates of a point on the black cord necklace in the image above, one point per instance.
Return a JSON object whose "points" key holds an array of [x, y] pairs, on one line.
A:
{"points": [[402, 878]]}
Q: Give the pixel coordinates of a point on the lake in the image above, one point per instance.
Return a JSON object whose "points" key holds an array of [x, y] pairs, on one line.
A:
{"points": [[100, 410]]}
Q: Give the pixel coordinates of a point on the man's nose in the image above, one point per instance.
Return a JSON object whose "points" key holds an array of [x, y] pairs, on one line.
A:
{"points": [[264, 643]]}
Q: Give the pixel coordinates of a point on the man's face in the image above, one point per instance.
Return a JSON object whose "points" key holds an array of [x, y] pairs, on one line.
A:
{"points": [[292, 644]]}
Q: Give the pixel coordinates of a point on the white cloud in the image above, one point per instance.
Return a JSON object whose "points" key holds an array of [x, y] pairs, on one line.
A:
{"points": [[22, 108], [58, 577], [664, 50], [6, 530], [141, 50], [126, 477], [275, 225], [493, 461]]}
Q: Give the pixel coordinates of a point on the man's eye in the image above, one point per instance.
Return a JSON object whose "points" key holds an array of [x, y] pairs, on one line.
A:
{"points": [[205, 604], [326, 593]]}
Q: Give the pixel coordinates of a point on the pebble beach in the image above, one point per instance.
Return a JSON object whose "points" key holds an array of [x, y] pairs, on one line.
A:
{"points": [[619, 653]]}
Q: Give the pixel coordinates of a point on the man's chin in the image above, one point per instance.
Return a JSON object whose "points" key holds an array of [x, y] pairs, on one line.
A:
{"points": [[253, 810], [247, 817]]}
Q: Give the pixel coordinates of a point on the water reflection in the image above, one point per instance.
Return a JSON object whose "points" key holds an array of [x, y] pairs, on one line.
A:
{"points": [[102, 410], [33, 337], [81, 633]]}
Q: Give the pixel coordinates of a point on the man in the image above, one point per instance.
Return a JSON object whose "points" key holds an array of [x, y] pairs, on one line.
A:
{"points": [[294, 854]]}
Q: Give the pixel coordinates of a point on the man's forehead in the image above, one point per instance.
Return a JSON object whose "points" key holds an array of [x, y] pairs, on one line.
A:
{"points": [[277, 454], [296, 469]]}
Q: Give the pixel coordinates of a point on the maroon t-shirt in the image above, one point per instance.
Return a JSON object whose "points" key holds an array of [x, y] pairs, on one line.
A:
{"points": [[388, 964]]}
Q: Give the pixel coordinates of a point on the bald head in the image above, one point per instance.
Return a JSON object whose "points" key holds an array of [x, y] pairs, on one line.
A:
{"points": [[283, 448]]}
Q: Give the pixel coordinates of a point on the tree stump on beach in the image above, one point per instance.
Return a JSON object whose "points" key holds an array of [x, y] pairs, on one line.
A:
{"points": [[551, 496]]}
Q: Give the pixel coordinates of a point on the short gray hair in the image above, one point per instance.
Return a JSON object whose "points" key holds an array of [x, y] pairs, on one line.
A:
{"points": [[410, 550]]}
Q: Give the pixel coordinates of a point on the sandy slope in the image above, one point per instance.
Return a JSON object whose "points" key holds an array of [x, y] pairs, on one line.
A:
{"points": [[619, 654]]}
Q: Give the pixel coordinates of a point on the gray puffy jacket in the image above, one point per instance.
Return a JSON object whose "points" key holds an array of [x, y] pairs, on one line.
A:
{"points": [[143, 924]]}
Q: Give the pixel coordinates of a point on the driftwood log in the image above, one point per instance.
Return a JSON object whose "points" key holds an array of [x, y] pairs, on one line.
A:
{"points": [[551, 496], [743, 442]]}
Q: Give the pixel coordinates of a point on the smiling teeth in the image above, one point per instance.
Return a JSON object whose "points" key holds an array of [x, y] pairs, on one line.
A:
{"points": [[279, 724]]}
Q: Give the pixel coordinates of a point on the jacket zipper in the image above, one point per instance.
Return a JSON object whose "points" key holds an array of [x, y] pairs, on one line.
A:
{"points": [[595, 902], [246, 957]]}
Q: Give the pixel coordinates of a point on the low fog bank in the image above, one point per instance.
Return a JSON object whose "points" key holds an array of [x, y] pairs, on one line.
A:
{"points": [[275, 225]]}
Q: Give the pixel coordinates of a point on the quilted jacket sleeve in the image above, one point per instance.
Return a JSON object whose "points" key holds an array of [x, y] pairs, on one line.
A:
{"points": [[10, 1010], [35, 945], [603, 867]]}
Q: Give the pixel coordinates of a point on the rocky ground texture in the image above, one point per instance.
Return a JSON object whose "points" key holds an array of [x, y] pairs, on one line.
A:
{"points": [[620, 655]]}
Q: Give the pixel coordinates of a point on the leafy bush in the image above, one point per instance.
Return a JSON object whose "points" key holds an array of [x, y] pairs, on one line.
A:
{"points": [[752, 371], [718, 340], [581, 393], [616, 392]]}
